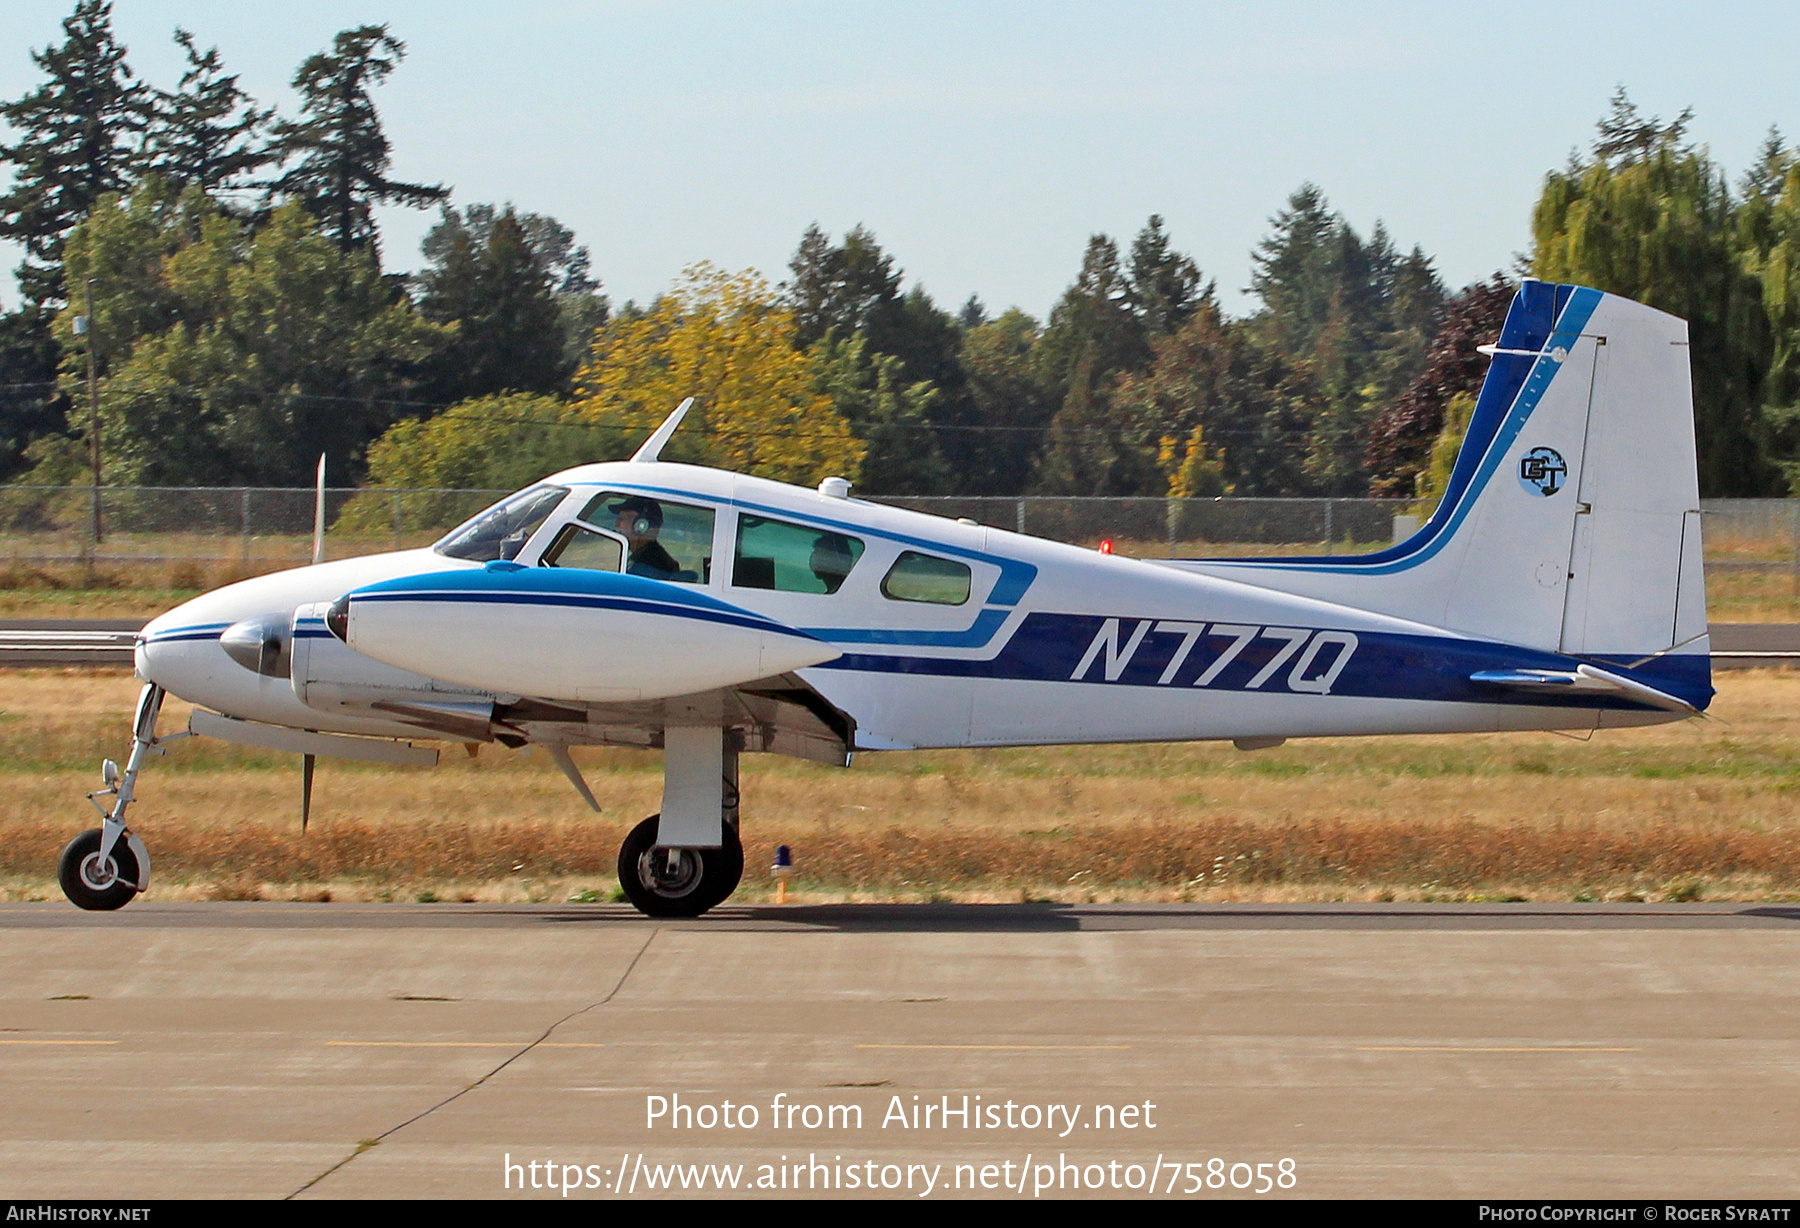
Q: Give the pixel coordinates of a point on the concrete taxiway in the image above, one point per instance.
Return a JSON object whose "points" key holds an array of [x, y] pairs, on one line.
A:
{"points": [[268, 1050]]}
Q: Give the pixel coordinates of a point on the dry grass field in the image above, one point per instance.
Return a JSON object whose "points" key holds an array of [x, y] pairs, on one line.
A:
{"points": [[1702, 809]]}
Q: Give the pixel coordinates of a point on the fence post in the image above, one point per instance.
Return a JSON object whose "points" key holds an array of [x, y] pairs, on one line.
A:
{"points": [[396, 520], [1328, 530], [1021, 516], [1172, 510], [244, 518]]}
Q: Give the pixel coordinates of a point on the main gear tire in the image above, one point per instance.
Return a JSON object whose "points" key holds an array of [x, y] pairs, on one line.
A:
{"points": [[683, 882]]}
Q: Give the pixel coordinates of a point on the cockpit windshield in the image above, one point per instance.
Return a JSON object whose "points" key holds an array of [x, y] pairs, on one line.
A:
{"points": [[502, 531]]}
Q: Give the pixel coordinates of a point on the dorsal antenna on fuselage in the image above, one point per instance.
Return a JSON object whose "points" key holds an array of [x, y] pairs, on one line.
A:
{"points": [[653, 446]]}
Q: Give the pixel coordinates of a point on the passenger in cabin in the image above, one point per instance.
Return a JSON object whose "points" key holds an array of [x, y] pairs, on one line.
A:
{"points": [[832, 560], [639, 521]]}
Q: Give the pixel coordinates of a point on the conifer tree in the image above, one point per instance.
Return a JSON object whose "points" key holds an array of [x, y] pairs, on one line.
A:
{"points": [[1165, 285], [1093, 327], [1354, 318], [31, 406], [1292, 269], [208, 132], [1010, 403], [78, 137], [1093, 337], [581, 305], [1220, 409], [1768, 173], [495, 287], [848, 288], [339, 153], [1626, 137], [852, 290]]}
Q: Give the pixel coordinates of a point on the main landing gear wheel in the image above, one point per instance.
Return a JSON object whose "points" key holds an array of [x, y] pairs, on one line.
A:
{"points": [[677, 882], [102, 886]]}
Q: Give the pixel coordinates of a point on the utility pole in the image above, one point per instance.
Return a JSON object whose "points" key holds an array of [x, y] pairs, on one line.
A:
{"points": [[93, 379]]}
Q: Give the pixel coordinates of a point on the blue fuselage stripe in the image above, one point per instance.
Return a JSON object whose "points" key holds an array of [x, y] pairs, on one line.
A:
{"points": [[583, 601], [1051, 648], [976, 635]]}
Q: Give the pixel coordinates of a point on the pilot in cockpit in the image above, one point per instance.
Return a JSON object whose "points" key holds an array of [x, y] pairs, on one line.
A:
{"points": [[639, 521]]}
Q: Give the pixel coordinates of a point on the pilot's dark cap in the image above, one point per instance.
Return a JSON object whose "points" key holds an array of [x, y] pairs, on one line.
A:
{"points": [[649, 509]]}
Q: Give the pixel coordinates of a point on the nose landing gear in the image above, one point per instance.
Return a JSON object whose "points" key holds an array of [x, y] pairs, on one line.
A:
{"points": [[102, 868], [97, 883]]}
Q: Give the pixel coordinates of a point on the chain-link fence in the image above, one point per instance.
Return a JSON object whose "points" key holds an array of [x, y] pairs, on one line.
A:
{"points": [[185, 536], [1174, 528], [205, 534], [1752, 534]]}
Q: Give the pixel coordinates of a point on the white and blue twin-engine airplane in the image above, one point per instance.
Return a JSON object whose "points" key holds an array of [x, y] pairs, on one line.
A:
{"points": [[643, 603]]}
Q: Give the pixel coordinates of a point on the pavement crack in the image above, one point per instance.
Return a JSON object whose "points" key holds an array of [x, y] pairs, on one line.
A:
{"points": [[370, 1143]]}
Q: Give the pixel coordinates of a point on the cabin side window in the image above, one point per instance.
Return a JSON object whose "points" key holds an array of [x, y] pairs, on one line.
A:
{"points": [[791, 558], [664, 540], [579, 546], [502, 531], [924, 577]]}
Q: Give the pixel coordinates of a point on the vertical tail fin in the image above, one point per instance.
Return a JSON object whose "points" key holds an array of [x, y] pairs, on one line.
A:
{"points": [[1571, 520]]}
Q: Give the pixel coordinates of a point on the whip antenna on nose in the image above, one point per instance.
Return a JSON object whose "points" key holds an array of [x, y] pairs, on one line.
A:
{"points": [[319, 513]]}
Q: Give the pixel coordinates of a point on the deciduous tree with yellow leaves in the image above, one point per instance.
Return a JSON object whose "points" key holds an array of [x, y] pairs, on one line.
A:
{"points": [[717, 337], [722, 339]]}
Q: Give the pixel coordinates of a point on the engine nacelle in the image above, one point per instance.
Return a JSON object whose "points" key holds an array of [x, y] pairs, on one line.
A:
{"points": [[567, 633], [329, 676]]}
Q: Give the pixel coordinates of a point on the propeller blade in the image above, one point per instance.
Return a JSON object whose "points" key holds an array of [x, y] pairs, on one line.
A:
{"points": [[319, 514]]}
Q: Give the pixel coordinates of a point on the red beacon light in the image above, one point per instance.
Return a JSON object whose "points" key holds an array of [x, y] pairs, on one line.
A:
{"points": [[1106, 546]]}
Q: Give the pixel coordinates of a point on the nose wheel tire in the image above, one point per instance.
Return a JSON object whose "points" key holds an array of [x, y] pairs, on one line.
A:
{"points": [[98, 886], [677, 882]]}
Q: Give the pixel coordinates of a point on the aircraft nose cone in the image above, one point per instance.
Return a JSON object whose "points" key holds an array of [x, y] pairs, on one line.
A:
{"points": [[261, 645]]}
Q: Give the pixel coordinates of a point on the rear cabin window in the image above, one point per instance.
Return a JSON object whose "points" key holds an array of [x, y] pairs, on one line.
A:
{"points": [[791, 558], [924, 577], [664, 540], [579, 546]]}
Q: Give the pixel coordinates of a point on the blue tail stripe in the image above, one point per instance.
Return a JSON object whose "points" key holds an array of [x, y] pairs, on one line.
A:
{"points": [[1514, 386]]}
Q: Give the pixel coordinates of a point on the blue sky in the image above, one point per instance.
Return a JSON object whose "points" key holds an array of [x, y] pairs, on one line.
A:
{"points": [[984, 142]]}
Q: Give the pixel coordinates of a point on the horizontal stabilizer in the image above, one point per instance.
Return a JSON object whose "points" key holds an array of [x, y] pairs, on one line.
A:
{"points": [[1584, 679]]}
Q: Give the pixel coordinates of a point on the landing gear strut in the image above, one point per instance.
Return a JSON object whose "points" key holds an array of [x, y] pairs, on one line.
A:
{"points": [[669, 866], [103, 867]]}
